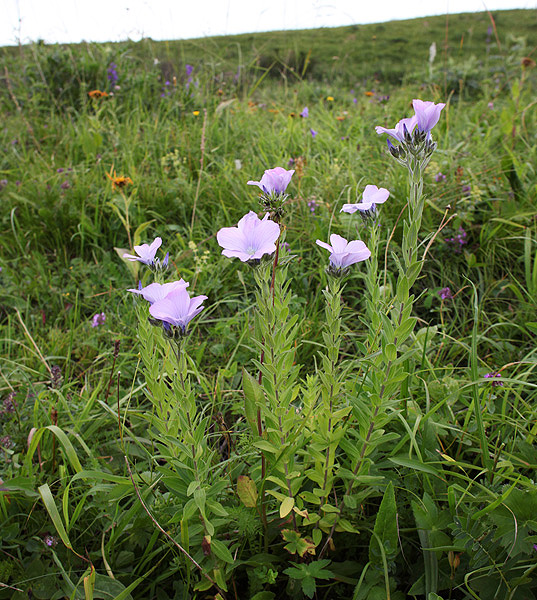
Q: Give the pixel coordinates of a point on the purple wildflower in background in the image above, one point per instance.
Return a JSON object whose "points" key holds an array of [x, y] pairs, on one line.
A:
{"points": [[112, 74], [458, 240], [60, 170], [146, 252], [372, 195], [355, 100], [466, 190], [177, 308], [439, 177], [98, 319], [343, 254], [445, 294], [9, 404], [6, 442], [65, 185], [493, 375], [313, 133], [251, 239], [274, 181], [50, 540], [158, 291], [286, 246], [312, 205], [189, 80], [3, 183], [305, 113]]}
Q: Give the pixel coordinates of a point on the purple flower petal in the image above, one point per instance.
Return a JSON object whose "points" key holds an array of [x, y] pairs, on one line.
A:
{"points": [[427, 114], [343, 253], [274, 181], [158, 291], [251, 239], [146, 253]]}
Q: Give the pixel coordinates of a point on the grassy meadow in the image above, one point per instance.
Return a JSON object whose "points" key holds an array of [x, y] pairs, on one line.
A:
{"points": [[93, 501]]}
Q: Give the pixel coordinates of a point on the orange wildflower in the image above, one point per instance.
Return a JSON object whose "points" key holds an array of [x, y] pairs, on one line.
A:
{"points": [[370, 94], [340, 118], [119, 181], [96, 94]]}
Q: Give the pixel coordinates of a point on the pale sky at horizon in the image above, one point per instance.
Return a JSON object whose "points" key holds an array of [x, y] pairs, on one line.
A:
{"points": [[66, 21]]}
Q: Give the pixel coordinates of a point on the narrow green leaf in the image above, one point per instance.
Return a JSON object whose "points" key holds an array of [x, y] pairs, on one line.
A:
{"points": [[52, 510]]}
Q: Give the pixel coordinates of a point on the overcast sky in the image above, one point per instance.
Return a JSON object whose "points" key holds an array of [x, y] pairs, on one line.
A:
{"points": [[115, 20]]}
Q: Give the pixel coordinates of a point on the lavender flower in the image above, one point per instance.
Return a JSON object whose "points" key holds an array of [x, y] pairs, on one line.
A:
{"points": [[3, 183], [313, 133], [458, 240], [343, 254], [251, 239], [312, 205], [492, 375], [466, 190], [445, 294], [372, 195], [177, 308], [50, 540], [404, 127], [274, 181], [189, 69], [427, 114], [146, 253], [98, 319], [112, 74], [305, 113], [439, 177], [65, 185], [60, 170], [158, 291]]}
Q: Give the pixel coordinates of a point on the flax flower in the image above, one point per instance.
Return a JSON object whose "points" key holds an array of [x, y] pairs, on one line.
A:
{"points": [[427, 114], [251, 239], [398, 132], [158, 291], [274, 181], [146, 252], [343, 254], [371, 196], [177, 308]]}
